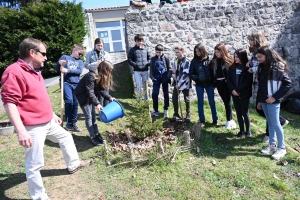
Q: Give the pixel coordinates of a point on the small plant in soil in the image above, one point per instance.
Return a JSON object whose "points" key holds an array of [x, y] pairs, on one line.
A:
{"points": [[141, 124]]}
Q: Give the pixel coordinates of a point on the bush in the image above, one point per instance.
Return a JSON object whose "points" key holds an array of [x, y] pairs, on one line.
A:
{"points": [[58, 24], [140, 123]]}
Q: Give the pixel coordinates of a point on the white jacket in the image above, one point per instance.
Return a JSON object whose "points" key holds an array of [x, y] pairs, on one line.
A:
{"points": [[182, 73]]}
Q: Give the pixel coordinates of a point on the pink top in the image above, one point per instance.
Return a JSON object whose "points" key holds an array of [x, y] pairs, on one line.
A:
{"points": [[24, 87]]}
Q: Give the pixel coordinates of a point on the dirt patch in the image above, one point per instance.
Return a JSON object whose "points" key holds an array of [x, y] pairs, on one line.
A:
{"points": [[120, 140]]}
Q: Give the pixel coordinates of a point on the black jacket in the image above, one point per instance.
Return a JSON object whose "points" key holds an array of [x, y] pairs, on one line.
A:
{"points": [[244, 87], [201, 72], [166, 61], [88, 92], [267, 81], [139, 58]]}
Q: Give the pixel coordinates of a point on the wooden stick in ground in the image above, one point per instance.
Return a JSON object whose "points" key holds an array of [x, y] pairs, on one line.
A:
{"points": [[62, 98], [131, 152], [187, 138], [147, 93], [127, 132], [178, 98], [160, 146], [197, 131]]}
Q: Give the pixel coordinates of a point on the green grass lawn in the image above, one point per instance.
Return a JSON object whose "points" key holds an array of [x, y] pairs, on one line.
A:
{"points": [[240, 172]]}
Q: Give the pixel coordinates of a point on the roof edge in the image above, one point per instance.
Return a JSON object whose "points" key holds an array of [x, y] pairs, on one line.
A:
{"points": [[105, 8]]}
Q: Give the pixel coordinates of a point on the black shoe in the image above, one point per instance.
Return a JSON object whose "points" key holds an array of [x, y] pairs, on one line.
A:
{"points": [[99, 138], [95, 141], [69, 127], [175, 118], [248, 134], [188, 117], [215, 122], [240, 134]]}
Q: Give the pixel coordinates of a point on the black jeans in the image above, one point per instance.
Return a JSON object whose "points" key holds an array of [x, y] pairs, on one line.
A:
{"points": [[225, 94], [261, 113], [186, 96], [241, 106]]}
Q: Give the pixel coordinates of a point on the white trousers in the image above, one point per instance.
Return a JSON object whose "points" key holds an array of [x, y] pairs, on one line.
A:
{"points": [[34, 156]]}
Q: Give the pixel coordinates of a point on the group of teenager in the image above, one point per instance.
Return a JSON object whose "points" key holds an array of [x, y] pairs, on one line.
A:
{"points": [[90, 92], [235, 76], [28, 106]]}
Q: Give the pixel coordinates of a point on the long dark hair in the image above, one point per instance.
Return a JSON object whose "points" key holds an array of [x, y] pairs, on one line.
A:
{"points": [[242, 55], [272, 58], [202, 50]]}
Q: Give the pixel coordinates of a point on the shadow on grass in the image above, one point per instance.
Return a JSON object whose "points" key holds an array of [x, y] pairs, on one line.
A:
{"points": [[8, 181], [123, 85], [82, 143], [221, 145]]}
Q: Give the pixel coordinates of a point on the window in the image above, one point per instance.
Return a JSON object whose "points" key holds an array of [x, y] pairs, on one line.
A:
{"points": [[107, 24], [113, 35], [116, 35]]}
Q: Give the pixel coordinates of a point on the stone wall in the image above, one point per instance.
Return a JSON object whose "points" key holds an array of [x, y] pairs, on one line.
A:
{"points": [[213, 21]]}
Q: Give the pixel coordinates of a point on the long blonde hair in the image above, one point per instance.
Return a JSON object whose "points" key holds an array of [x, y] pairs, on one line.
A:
{"points": [[104, 76]]}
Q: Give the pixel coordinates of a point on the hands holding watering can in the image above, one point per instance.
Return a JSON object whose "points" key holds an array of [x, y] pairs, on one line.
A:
{"points": [[99, 107]]}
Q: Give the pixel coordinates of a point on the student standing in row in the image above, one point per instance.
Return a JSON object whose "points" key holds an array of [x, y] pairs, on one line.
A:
{"points": [[71, 66], [220, 64], [139, 59], [160, 74], [202, 74], [94, 58], [239, 82], [274, 83], [182, 82], [257, 40]]}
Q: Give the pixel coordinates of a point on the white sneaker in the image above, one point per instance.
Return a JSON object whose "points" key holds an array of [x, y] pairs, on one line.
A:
{"points": [[230, 124], [285, 123], [266, 139], [154, 113], [279, 154], [269, 150], [166, 114], [227, 125]]}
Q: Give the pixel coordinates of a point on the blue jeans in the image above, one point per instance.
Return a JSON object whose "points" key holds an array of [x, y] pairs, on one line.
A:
{"points": [[140, 81], [71, 103], [272, 114], [88, 110], [163, 80], [211, 100]]}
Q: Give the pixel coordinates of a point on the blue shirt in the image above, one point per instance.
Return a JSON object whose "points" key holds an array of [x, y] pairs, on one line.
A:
{"points": [[74, 66]]}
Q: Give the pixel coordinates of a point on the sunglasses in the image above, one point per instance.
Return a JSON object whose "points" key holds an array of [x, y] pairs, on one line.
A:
{"points": [[43, 53]]}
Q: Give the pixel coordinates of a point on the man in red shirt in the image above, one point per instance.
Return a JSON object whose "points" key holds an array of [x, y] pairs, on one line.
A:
{"points": [[28, 107]]}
